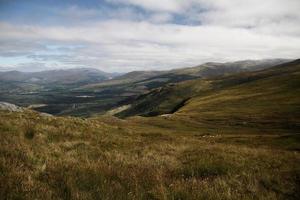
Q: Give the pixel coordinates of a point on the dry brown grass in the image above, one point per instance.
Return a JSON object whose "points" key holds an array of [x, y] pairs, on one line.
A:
{"points": [[108, 158]]}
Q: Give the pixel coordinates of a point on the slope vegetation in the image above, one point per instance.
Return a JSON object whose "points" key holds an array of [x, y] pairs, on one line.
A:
{"points": [[44, 157], [269, 97], [232, 138]]}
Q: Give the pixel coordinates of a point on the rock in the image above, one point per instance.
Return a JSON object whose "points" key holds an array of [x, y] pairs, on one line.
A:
{"points": [[10, 107], [45, 114], [166, 115]]}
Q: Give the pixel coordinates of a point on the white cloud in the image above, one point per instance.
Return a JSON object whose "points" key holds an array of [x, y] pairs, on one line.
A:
{"points": [[154, 5], [268, 16], [161, 18], [228, 30]]}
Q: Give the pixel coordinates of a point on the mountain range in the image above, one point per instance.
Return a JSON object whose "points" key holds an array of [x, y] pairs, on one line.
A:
{"points": [[87, 92]]}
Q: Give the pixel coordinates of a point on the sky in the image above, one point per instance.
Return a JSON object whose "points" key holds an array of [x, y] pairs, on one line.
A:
{"points": [[127, 35]]}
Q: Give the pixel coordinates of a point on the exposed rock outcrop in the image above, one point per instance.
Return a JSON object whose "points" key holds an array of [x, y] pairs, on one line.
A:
{"points": [[10, 107]]}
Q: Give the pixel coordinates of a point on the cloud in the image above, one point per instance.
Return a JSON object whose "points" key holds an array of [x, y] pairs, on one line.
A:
{"points": [[268, 16], [153, 5], [125, 38]]}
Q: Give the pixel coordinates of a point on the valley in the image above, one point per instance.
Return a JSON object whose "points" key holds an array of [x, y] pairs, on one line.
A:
{"points": [[149, 100], [234, 136], [61, 91]]}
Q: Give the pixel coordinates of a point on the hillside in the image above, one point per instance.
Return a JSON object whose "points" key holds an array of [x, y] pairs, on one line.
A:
{"points": [[267, 99], [212, 69], [183, 156], [151, 79], [245, 99], [233, 137], [87, 92]]}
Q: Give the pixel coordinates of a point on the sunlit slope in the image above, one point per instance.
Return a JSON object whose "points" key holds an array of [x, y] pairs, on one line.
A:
{"points": [[268, 98], [44, 157], [231, 138]]}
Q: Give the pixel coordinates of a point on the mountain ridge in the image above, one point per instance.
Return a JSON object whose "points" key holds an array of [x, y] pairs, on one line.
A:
{"points": [[164, 100], [49, 76], [82, 92]]}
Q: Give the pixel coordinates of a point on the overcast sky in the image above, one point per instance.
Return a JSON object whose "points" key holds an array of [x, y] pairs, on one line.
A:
{"points": [[126, 35]]}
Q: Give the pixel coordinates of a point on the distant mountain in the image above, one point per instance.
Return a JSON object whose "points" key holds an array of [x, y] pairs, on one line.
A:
{"points": [[211, 69], [127, 88], [16, 82], [64, 77], [152, 79], [87, 92], [127, 78]]}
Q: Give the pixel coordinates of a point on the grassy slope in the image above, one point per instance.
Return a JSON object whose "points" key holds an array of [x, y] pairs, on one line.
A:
{"points": [[225, 143], [107, 158], [268, 98], [264, 100]]}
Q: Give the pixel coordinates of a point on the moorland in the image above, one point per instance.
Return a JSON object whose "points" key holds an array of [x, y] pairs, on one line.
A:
{"points": [[191, 133]]}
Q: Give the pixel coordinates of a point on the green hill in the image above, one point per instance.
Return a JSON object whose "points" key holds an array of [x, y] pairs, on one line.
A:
{"points": [[269, 97]]}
